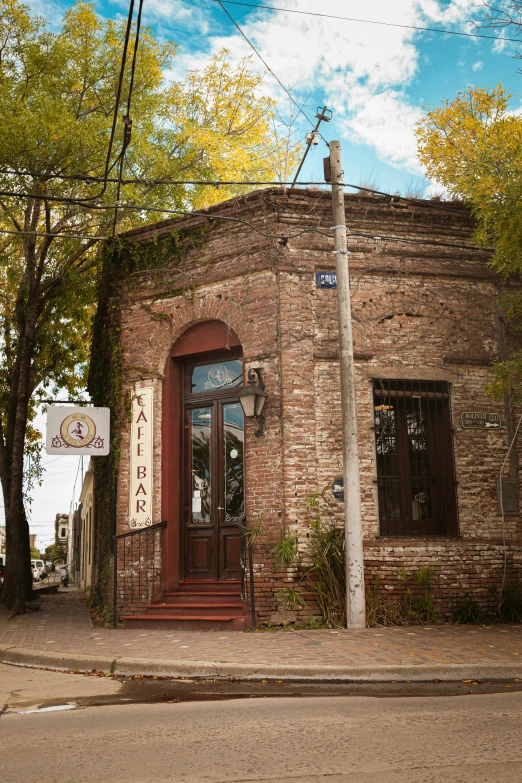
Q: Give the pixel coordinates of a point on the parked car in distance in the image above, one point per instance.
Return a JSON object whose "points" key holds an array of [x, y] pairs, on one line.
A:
{"points": [[49, 566], [40, 565], [2, 568], [35, 573]]}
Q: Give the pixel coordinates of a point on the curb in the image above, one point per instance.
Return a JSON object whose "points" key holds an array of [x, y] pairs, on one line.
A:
{"points": [[451, 672]]}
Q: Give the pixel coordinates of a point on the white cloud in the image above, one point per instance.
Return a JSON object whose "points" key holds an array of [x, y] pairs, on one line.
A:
{"points": [[363, 70], [387, 122], [478, 65]]}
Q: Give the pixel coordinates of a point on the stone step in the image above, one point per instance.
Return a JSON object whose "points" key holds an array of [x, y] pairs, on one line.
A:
{"points": [[179, 622], [210, 586], [197, 609], [212, 599]]}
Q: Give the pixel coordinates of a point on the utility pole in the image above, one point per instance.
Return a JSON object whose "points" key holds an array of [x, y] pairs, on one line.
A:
{"points": [[355, 598]]}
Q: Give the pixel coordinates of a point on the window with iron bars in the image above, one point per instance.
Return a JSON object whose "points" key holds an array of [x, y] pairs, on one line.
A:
{"points": [[415, 467]]}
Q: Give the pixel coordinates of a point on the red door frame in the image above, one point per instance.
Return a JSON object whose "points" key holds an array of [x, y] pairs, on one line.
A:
{"points": [[205, 337]]}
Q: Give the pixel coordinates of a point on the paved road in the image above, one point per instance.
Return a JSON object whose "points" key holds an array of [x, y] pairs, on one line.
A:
{"points": [[459, 739]]}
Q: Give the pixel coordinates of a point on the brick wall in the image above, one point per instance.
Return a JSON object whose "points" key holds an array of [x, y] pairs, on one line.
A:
{"points": [[421, 311]]}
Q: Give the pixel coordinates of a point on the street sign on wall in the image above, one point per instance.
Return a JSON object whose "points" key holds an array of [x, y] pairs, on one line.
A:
{"points": [[141, 442], [476, 420], [326, 279], [78, 430]]}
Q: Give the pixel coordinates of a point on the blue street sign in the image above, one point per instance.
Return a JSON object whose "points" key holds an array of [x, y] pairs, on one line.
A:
{"points": [[326, 279]]}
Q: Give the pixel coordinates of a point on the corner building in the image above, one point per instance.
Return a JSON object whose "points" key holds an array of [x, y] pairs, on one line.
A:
{"points": [[245, 291]]}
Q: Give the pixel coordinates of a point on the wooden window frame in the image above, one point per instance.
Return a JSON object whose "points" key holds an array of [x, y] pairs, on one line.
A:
{"points": [[439, 479]]}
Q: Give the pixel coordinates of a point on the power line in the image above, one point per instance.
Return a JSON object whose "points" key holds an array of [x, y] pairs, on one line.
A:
{"points": [[365, 21], [127, 119], [206, 183], [278, 80], [282, 236], [116, 105]]}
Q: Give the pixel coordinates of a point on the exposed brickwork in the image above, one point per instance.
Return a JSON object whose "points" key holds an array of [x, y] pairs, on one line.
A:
{"points": [[420, 311]]}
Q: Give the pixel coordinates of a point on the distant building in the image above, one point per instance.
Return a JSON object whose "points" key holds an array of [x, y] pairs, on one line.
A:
{"points": [[2, 539], [86, 511], [32, 540], [61, 527]]}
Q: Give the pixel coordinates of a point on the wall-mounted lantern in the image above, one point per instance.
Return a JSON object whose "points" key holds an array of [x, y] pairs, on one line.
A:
{"points": [[253, 398]]}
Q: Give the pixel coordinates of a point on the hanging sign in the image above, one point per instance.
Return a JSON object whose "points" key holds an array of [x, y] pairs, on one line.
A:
{"points": [[140, 502], [472, 420], [78, 430]]}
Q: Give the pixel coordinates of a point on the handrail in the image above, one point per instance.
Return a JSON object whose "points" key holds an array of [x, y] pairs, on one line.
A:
{"points": [[246, 546], [140, 530], [129, 534]]}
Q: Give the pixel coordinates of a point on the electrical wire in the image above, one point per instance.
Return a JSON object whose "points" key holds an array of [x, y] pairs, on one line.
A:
{"points": [[108, 167], [270, 71], [367, 21], [80, 202], [282, 236], [127, 120]]}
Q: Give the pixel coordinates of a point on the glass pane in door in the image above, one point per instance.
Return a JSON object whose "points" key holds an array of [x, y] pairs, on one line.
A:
{"points": [[233, 442], [200, 422], [217, 376], [419, 459]]}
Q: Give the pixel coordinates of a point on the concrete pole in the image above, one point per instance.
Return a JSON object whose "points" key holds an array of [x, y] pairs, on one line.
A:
{"points": [[355, 598]]}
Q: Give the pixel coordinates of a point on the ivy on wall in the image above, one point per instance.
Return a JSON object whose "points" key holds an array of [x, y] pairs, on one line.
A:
{"points": [[125, 266]]}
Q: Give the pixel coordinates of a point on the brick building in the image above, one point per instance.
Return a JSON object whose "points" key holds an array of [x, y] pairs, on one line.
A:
{"points": [[248, 294]]}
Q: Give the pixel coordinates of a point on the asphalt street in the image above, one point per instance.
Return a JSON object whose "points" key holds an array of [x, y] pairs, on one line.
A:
{"points": [[468, 738]]}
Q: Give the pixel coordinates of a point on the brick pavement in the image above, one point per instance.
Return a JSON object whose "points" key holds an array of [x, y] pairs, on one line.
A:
{"points": [[63, 625]]}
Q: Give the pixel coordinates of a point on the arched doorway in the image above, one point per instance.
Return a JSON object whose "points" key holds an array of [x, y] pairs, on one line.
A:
{"points": [[203, 464]]}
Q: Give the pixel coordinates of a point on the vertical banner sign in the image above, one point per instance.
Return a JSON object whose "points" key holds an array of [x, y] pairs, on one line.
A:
{"points": [[141, 459]]}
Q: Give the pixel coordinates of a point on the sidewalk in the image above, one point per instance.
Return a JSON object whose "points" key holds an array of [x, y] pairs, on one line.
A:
{"points": [[61, 636]]}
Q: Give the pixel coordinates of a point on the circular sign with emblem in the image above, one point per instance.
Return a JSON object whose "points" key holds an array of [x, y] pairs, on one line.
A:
{"points": [[78, 430], [218, 376]]}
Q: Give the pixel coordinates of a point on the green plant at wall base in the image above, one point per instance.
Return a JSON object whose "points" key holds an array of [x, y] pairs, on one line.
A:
{"points": [[320, 559], [401, 605], [510, 606], [287, 548], [291, 598], [469, 611]]}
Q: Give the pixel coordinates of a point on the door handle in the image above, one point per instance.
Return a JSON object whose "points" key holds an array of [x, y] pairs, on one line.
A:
{"points": [[221, 508]]}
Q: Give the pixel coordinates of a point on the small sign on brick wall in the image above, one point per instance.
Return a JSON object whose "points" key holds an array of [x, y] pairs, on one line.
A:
{"points": [[326, 279], [338, 488], [141, 442], [476, 420]]}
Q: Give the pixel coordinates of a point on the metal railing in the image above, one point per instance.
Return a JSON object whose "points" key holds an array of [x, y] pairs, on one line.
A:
{"points": [[137, 569], [247, 570]]}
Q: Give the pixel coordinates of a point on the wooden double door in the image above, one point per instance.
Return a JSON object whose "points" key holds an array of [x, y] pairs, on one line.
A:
{"points": [[213, 470]]}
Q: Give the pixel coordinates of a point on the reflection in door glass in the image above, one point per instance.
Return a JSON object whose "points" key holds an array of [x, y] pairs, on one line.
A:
{"points": [[217, 376], [233, 440], [200, 464]]}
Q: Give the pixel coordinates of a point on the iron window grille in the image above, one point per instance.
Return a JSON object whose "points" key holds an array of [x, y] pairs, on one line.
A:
{"points": [[415, 466]]}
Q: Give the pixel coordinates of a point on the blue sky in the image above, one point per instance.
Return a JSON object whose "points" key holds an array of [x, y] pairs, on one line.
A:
{"points": [[375, 79]]}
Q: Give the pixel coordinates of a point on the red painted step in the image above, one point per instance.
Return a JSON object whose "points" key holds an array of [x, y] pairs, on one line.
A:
{"points": [[177, 622], [202, 598], [196, 610], [200, 604], [210, 585]]}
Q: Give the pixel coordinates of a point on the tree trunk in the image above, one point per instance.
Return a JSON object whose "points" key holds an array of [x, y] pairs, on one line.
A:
{"points": [[17, 588], [18, 582]]}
